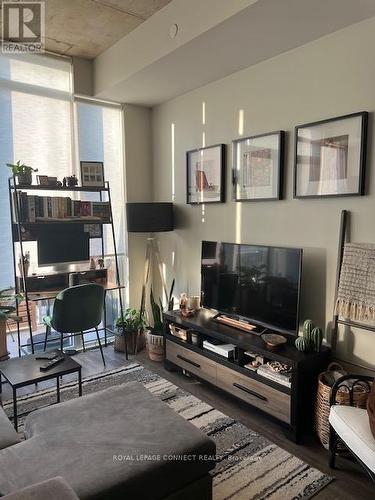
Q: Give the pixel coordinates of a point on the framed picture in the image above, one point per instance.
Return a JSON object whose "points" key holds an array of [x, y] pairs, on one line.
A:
{"points": [[258, 164], [205, 175], [92, 174], [330, 157], [42, 180]]}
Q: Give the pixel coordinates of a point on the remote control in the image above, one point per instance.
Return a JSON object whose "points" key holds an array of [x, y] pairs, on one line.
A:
{"points": [[48, 355], [52, 363]]}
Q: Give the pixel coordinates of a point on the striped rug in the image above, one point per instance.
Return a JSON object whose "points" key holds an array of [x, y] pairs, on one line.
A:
{"points": [[248, 466]]}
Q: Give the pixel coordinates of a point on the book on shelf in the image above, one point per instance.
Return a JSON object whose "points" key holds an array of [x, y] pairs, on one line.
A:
{"points": [[35, 208], [267, 372]]}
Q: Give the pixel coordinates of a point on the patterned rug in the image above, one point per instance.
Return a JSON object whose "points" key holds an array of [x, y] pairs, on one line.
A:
{"points": [[248, 466]]}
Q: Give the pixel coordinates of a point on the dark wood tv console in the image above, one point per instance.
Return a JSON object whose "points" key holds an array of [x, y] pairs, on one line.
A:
{"points": [[292, 407]]}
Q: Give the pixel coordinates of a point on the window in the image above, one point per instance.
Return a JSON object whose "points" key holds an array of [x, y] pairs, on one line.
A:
{"points": [[35, 127], [99, 139], [100, 133], [42, 125]]}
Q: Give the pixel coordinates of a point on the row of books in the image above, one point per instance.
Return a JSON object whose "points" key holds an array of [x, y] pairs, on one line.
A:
{"points": [[34, 208]]}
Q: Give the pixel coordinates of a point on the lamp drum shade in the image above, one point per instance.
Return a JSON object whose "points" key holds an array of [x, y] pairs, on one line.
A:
{"points": [[149, 217]]}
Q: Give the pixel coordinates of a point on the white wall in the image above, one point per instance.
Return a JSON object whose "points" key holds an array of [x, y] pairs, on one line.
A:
{"points": [[83, 76], [332, 76], [139, 185]]}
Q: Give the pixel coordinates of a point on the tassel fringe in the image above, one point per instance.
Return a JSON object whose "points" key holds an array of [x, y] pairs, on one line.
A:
{"points": [[354, 311]]}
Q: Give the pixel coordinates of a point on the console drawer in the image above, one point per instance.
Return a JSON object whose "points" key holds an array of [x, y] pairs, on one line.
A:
{"points": [[191, 361], [260, 395]]}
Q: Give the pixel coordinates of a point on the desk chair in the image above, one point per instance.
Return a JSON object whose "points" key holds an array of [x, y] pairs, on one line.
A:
{"points": [[76, 310]]}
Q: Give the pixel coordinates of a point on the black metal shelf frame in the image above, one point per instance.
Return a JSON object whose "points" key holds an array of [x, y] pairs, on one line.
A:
{"points": [[15, 189]]}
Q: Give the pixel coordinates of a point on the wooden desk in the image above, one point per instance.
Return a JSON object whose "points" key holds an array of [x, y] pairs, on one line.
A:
{"points": [[52, 294], [49, 295]]}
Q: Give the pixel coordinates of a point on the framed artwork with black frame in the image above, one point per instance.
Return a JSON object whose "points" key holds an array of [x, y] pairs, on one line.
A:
{"points": [[258, 165], [330, 157], [205, 175], [92, 174]]}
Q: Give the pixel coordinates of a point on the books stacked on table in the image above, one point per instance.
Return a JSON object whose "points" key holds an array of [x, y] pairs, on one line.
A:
{"points": [[220, 348], [283, 377]]}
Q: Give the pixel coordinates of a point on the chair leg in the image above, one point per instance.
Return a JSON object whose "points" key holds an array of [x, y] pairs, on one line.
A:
{"points": [[48, 330], [100, 345], [83, 342], [333, 441], [61, 342]]}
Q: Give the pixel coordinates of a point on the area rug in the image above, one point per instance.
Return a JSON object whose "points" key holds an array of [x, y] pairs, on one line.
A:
{"points": [[248, 466]]}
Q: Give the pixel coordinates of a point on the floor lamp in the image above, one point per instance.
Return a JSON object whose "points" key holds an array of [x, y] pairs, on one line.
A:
{"points": [[150, 218]]}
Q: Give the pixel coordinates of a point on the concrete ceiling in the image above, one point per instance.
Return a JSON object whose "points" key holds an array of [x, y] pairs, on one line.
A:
{"points": [[258, 31], [86, 28]]}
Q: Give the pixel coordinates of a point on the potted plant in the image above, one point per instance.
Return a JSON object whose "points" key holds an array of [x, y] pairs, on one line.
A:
{"points": [[7, 311], [155, 337], [132, 325], [22, 172]]}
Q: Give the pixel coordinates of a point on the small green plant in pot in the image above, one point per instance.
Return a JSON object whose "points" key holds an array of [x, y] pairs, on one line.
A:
{"points": [[132, 325], [7, 311], [22, 172], [155, 337]]}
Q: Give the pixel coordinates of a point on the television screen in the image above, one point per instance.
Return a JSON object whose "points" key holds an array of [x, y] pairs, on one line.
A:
{"points": [[63, 244], [259, 283]]}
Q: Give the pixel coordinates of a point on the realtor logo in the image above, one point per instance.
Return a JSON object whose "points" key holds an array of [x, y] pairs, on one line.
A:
{"points": [[23, 25]]}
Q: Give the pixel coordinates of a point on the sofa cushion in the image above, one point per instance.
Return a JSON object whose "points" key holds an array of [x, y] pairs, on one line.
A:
{"points": [[8, 435], [112, 442], [56, 489], [352, 425]]}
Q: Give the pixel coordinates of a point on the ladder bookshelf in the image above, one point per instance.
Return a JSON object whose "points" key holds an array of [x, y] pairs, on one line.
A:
{"points": [[19, 228]]}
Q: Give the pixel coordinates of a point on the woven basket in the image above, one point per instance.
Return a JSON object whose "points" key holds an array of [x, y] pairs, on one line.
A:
{"points": [[136, 342], [322, 408], [155, 347]]}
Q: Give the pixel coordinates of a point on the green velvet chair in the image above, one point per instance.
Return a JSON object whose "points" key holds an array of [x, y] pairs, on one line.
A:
{"points": [[76, 310]]}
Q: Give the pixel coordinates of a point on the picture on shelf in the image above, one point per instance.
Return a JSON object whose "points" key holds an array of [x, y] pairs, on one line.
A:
{"points": [[330, 157], [205, 175], [42, 180], [92, 174], [258, 167]]}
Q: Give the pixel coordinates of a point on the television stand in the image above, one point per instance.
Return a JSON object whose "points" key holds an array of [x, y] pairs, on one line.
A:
{"points": [[292, 404], [240, 324]]}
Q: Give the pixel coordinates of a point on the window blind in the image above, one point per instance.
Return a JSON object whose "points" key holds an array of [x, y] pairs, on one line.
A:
{"points": [[35, 127]]}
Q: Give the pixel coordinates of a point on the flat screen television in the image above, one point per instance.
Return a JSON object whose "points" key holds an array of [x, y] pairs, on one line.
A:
{"points": [[257, 283], [63, 244]]}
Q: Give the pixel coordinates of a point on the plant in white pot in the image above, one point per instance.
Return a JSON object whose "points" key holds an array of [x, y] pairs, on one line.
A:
{"points": [[7, 311], [155, 336], [22, 172], [132, 324]]}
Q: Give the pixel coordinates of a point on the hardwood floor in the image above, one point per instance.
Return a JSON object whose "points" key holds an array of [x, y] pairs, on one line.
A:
{"points": [[350, 480]]}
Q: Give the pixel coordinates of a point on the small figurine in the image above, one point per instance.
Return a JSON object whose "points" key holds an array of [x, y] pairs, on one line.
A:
{"points": [[92, 263], [26, 264], [72, 181], [100, 263], [64, 182]]}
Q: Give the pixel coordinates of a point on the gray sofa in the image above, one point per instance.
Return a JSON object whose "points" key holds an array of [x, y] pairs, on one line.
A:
{"points": [[117, 443], [55, 488]]}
